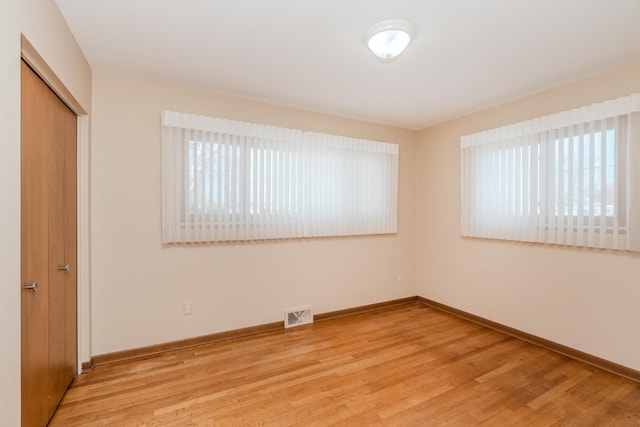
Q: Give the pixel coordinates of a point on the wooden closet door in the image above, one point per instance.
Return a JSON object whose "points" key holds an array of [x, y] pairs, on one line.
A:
{"points": [[48, 161], [62, 263], [34, 256]]}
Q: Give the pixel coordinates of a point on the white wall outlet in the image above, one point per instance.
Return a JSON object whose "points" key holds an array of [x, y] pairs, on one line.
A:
{"points": [[187, 308], [399, 277]]}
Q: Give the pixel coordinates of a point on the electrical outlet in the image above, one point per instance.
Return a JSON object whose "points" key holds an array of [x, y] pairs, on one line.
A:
{"points": [[399, 277], [187, 308]]}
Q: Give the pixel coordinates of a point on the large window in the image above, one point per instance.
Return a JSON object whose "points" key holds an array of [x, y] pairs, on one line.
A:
{"points": [[225, 180], [569, 178]]}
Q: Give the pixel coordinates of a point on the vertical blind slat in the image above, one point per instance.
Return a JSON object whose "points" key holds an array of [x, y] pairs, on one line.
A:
{"points": [[568, 178], [225, 180]]}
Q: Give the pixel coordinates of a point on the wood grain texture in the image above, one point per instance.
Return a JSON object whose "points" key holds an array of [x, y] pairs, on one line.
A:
{"points": [[48, 227], [404, 365], [362, 309], [598, 362], [153, 350], [36, 148]]}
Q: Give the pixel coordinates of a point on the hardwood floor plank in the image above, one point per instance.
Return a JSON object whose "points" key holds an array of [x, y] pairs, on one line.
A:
{"points": [[405, 365], [559, 389]]}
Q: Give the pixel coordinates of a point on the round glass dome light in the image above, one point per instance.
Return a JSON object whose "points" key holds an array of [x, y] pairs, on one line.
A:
{"points": [[388, 39]]}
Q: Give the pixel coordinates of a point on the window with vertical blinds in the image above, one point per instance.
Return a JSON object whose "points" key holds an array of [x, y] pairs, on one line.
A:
{"points": [[569, 178], [226, 180]]}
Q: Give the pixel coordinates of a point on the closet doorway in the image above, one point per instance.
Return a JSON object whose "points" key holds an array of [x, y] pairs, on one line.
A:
{"points": [[48, 248]]}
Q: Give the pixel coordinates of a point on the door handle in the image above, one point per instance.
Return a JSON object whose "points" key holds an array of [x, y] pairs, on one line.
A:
{"points": [[32, 287], [64, 268]]}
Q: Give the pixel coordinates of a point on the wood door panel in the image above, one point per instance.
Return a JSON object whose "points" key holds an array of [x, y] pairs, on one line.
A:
{"points": [[48, 227], [34, 252], [61, 371], [56, 277]]}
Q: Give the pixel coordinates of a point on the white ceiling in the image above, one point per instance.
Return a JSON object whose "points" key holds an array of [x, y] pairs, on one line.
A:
{"points": [[310, 54]]}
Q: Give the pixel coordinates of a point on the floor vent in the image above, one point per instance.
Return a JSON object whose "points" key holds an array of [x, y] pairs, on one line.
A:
{"points": [[298, 316]]}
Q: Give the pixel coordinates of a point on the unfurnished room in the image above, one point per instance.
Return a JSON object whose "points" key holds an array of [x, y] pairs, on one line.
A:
{"points": [[295, 212]]}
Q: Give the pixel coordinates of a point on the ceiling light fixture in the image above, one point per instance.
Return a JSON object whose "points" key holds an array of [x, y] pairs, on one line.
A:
{"points": [[388, 39]]}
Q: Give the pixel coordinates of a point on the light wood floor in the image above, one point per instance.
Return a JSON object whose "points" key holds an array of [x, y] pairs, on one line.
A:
{"points": [[406, 365]]}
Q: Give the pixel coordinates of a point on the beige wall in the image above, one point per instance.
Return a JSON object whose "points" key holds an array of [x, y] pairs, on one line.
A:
{"points": [[139, 285], [10, 213], [42, 24], [585, 299]]}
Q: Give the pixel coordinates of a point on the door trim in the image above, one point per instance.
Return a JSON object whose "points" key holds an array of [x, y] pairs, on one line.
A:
{"points": [[37, 63], [42, 69]]}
